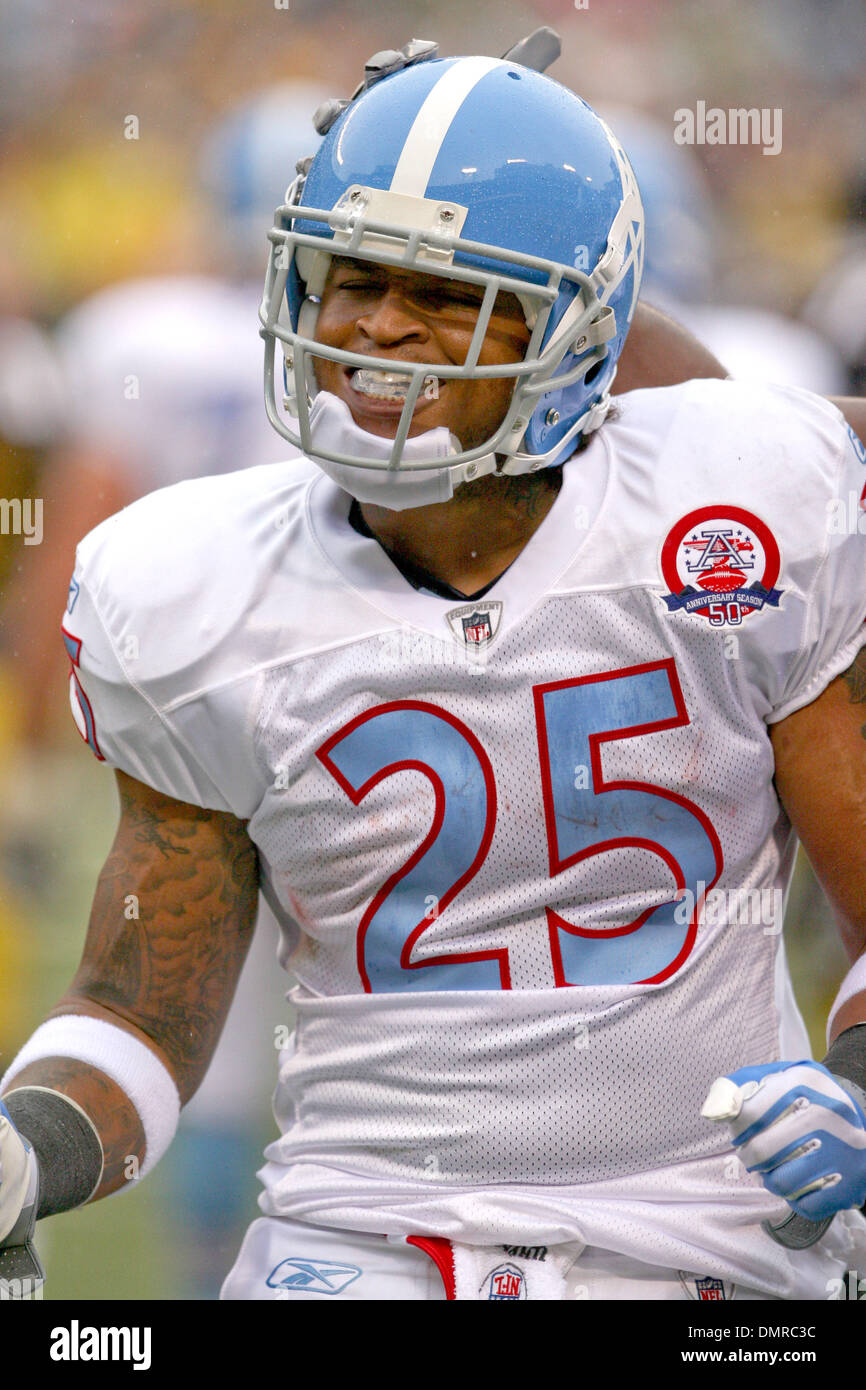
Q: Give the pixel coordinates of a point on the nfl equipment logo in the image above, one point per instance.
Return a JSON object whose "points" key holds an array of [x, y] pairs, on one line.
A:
{"points": [[706, 1290], [477, 629], [506, 1284], [710, 1290], [475, 625]]}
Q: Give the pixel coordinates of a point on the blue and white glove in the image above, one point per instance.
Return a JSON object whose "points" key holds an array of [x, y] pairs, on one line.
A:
{"points": [[19, 1194], [798, 1127]]}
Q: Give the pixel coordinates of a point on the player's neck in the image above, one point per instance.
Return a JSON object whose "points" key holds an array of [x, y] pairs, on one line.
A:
{"points": [[469, 541]]}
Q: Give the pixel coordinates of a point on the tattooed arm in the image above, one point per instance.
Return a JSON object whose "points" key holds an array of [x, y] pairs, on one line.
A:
{"points": [[821, 778], [171, 923]]}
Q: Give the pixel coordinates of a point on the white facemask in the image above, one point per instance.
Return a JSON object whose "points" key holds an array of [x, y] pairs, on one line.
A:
{"points": [[333, 429]]}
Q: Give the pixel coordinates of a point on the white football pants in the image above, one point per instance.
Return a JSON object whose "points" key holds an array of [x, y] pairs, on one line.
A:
{"points": [[282, 1259]]}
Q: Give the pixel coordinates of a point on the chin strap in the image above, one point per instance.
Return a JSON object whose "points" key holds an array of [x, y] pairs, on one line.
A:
{"points": [[334, 432], [336, 437]]}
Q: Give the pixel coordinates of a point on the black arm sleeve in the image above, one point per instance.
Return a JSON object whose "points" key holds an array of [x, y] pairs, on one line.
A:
{"points": [[847, 1061]]}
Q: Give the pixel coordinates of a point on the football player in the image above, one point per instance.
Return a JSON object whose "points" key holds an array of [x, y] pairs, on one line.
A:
{"points": [[193, 407], [514, 707]]}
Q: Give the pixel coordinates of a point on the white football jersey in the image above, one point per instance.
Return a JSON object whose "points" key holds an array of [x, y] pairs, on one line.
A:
{"points": [[526, 850], [759, 346], [165, 375]]}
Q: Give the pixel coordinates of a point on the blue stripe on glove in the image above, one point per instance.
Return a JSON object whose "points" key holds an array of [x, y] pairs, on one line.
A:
{"points": [[795, 1125]]}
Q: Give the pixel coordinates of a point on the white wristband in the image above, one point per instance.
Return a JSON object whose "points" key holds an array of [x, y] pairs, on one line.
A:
{"points": [[853, 983], [136, 1070]]}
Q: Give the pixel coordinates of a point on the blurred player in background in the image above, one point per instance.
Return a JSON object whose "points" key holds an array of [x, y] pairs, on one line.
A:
{"points": [[837, 305], [683, 271], [30, 415], [162, 381]]}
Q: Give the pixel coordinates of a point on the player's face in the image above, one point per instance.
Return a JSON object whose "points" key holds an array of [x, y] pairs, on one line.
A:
{"points": [[410, 317]]}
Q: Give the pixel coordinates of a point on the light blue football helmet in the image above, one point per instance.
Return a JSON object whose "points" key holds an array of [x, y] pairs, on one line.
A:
{"points": [[480, 170], [248, 161], [681, 225]]}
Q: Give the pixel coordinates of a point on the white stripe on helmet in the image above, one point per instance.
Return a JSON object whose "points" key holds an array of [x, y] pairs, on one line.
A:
{"points": [[433, 121]]}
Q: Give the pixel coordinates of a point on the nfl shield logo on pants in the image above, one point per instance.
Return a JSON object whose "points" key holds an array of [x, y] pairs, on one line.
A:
{"points": [[506, 1284], [474, 625], [708, 1289]]}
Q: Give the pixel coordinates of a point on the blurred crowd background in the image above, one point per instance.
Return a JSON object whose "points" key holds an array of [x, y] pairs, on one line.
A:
{"points": [[144, 148]]}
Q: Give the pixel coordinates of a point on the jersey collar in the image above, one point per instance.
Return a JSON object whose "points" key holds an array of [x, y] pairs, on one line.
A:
{"points": [[365, 566]]}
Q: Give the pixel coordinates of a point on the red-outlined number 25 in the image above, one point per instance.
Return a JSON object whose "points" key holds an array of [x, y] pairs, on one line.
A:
{"points": [[574, 718]]}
